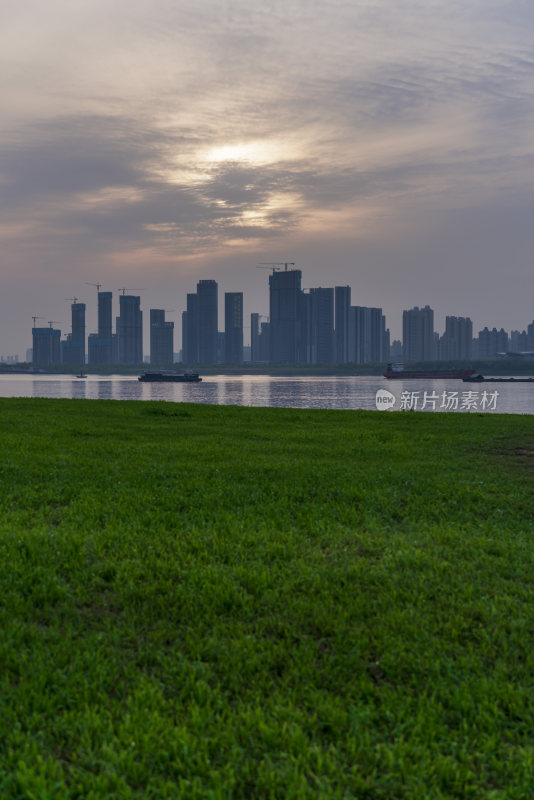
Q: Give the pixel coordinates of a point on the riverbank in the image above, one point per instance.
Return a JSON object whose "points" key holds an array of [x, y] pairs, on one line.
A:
{"points": [[501, 366], [211, 601]]}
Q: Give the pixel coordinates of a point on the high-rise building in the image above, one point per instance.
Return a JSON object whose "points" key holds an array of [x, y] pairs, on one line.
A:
{"points": [[100, 345], [519, 341], [320, 326], [395, 351], [456, 342], [265, 341], [190, 331], [207, 320], [200, 339], [342, 306], [492, 344], [220, 347], [260, 339], [418, 334], [130, 329], [105, 300], [46, 349], [233, 327], [254, 337], [286, 313], [368, 336], [73, 348], [161, 338]]}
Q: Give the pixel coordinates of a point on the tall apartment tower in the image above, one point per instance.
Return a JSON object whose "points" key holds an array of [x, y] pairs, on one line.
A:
{"points": [[320, 326], [265, 341], [456, 342], [73, 348], [130, 329], [46, 347], [254, 337], [342, 307], [233, 327], [100, 345], [161, 338], [190, 331], [207, 321], [418, 334], [492, 343], [286, 317], [368, 336], [519, 341]]}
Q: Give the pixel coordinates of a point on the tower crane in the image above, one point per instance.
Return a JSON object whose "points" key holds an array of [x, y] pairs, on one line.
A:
{"points": [[34, 317], [124, 289], [72, 299], [53, 322], [98, 285]]}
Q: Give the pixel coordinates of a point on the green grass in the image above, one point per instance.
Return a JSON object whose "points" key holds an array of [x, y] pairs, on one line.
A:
{"points": [[213, 602]]}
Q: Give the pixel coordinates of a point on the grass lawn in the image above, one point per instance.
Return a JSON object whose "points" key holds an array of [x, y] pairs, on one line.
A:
{"points": [[219, 602]]}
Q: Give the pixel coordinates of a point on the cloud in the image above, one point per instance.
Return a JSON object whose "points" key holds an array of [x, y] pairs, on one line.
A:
{"points": [[342, 122]]}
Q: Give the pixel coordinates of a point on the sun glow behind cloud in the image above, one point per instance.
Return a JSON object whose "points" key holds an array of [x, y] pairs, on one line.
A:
{"points": [[257, 153]]}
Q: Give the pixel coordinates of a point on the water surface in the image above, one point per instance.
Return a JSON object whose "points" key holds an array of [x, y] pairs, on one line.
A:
{"points": [[344, 392]]}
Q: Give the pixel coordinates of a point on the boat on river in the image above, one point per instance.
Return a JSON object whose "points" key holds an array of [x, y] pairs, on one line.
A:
{"points": [[170, 376], [482, 379], [397, 372]]}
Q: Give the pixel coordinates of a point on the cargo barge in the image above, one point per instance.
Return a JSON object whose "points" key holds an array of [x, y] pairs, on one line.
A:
{"points": [[168, 376], [482, 379], [398, 373]]}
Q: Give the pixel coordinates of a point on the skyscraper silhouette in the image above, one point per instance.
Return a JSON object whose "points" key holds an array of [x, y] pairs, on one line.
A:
{"points": [[286, 315], [418, 334], [130, 329], [161, 338], [233, 327], [207, 320], [100, 345], [320, 326], [342, 306], [368, 337], [46, 347], [73, 348]]}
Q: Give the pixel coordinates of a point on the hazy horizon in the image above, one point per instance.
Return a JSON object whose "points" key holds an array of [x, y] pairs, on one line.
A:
{"points": [[385, 145]]}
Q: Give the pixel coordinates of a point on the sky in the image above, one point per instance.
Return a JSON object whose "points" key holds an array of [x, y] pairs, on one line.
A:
{"points": [[384, 144]]}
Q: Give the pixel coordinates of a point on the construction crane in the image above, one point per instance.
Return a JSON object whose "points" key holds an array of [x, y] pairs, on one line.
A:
{"points": [[275, 265], [34, 317], [72, 299], [53, 322], [124, 289], [98, 285]]}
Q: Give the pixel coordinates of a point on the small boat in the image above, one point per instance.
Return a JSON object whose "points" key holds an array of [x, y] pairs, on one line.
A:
{"points": [[169, 376], [397, 372], [81, 374], [482, 379]]}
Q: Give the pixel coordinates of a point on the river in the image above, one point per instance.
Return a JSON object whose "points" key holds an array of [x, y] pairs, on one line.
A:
{"points": [[344, 392]]}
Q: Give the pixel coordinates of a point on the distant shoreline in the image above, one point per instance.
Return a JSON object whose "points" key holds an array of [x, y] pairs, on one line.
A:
{"points": [[494, 367]]}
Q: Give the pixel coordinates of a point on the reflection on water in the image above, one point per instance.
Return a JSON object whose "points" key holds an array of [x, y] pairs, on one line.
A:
{"points": [[347, 392]]}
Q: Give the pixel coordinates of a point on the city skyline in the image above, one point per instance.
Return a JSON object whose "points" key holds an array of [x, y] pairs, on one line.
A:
{"points": [[174, 317], [385, 143], [318, 325]]}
